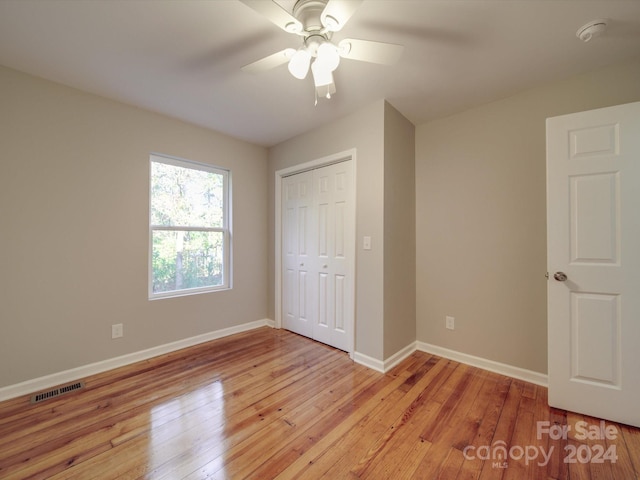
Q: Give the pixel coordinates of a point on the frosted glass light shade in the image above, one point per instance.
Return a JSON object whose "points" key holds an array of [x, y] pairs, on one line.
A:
{"points": [[299, 64], [328, 56], [321, 74]]}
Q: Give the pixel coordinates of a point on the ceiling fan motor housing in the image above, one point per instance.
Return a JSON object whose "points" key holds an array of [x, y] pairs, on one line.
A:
{"points": [[309, 12]]}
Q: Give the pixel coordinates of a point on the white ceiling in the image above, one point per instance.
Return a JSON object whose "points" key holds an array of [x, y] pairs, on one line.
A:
{"points": [[183, 57]]}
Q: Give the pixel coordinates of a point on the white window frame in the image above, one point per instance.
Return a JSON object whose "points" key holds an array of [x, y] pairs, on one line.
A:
{"points": [[225, 229]]}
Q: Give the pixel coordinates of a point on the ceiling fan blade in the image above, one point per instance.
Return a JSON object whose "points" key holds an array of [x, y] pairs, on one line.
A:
{"points": [[337, 13], [368, 51], [272, 61], [276, 14]]}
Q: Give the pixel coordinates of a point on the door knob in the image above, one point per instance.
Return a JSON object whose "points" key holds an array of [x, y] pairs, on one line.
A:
{"points": [[560, 276], [324, 266]]}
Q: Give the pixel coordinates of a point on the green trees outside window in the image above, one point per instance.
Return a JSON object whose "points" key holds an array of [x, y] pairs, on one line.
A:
{"points": [[189, 232]]}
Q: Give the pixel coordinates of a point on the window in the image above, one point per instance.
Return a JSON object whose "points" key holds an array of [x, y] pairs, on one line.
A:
{"points": [[189, 232]]}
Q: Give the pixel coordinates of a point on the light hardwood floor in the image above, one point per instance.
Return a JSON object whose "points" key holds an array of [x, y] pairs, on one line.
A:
{"points": [[270, 404]]}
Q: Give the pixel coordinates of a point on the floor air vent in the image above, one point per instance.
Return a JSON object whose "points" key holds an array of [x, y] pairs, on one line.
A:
{"points": [[56, 392]]}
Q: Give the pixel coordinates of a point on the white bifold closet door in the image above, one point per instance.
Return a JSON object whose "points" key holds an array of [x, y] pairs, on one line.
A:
{"points": [[317, 254]]}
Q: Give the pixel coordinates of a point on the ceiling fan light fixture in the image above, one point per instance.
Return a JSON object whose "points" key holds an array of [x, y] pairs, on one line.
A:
{"points": [[328, 56], [321, 75], [299, 64]]}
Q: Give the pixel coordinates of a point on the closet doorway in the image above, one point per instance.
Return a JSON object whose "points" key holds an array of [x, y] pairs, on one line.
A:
{"points": [[317, 253]]}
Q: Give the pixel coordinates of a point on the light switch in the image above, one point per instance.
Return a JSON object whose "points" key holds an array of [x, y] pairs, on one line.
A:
{"points": [[366, 243]]}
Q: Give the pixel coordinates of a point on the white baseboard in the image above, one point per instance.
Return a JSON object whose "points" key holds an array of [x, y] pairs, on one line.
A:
{"points": [[367, 361], [496, 367], [48, 381], [399, 356], [389, 363], [490, 365]]}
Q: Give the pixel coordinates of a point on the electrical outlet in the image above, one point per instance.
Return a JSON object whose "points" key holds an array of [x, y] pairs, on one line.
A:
{"points": [[450, 322], [117, 330]]}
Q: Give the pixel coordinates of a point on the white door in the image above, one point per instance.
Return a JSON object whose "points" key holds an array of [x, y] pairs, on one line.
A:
{"points": [[593, 237], [296, 247], [318, 249]]}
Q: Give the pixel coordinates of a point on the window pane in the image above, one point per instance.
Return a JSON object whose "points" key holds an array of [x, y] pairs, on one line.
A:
{"points": [[187, 259], [186, 197]]}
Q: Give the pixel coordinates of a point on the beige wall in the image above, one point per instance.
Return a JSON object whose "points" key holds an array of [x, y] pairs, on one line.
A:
{"points": [[399, 232], [364, 131], [480, 217], [74, 189]]}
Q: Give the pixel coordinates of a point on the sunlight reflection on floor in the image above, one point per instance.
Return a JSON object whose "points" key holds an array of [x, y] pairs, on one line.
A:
{"points": [[190, 427]]}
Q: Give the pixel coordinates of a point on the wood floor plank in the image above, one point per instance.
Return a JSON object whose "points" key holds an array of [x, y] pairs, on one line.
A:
{"points": [[317, 408], [541, 414], [295, 458], [318, 414], [356, 444], [272, 417], [631, 448], [337, 460], [519, 467], [406, 435], [497, 388], [458, 430], [557, 468], [404, 412], [270, 404], [577, 470], [451, 465], [494, 467]]}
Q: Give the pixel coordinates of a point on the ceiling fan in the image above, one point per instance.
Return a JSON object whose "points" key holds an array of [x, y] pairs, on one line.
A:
{"points": [[316, 21]]}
